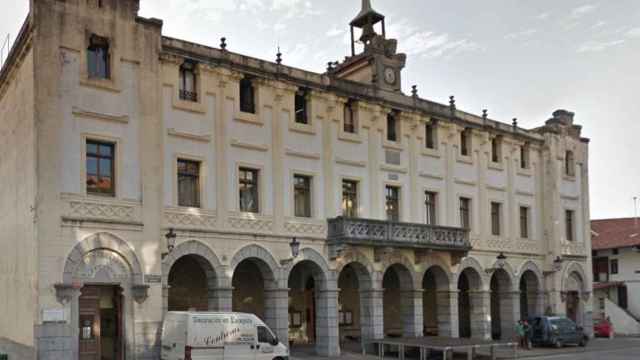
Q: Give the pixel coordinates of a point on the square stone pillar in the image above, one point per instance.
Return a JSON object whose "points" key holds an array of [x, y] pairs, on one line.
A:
{"points": [[509, 314], [327, 333], [276, 312], [371, 315], [447, 310], [480, 314], [411, 304], [540, 306], [220, 299]]}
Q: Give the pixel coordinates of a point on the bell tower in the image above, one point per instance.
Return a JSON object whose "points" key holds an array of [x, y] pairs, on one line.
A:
{"points": [[378, 63]]}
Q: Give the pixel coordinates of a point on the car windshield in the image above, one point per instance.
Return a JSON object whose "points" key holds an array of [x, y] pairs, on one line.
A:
{"points": [[562, 322]]}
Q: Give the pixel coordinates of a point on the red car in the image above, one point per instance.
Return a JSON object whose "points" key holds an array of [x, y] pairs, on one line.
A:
{"points": [[603, 328]]}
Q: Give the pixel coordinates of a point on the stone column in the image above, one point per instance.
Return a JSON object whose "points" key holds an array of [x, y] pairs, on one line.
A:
{"points": [[509, 313], [220, 299], [276, 306], [371, 314], [480, 314], [411, 304], [327, 342], [447, 310]]}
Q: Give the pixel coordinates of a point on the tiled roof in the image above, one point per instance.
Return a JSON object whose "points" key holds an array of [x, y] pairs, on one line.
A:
{"points": [[615, 233]]}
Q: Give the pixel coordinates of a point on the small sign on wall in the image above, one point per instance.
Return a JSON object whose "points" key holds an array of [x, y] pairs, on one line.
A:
{"points": [[53, 316], [152, 279], [394, 177]]}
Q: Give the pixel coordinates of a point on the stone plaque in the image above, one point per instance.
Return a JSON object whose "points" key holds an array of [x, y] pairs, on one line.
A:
{"points": [[53, 316], [152, 279], [394, 177]]}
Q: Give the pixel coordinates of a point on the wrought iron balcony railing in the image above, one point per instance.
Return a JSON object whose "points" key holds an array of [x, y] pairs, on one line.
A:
{"points": [[357, 231], [188, 95]]}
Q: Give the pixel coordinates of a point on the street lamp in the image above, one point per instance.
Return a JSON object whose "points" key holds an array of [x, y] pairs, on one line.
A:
{"points": [[501, 260], [557, 264], [295, 247], [171, 242]]}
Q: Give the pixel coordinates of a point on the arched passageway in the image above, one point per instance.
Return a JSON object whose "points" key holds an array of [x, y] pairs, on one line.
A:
{"points": [[436, 302], [192, 282], [400, 303], [573, 291], [470, 304], [251, 278], [530, 302], [502, 306], [306, 280], [354, 279]]}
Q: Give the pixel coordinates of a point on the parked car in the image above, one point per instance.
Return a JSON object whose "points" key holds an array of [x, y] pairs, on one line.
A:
{"points": [[603, 328], [556, 331], [219, 336]]}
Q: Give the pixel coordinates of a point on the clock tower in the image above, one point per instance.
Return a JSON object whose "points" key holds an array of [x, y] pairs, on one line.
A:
{"points": [[378, 63]]}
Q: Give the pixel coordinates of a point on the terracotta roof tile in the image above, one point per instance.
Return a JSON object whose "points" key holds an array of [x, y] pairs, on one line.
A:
{"points": [[615, 233]]}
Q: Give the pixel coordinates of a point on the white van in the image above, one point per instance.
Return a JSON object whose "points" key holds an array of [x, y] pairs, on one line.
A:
{"points": [[219, 336]]}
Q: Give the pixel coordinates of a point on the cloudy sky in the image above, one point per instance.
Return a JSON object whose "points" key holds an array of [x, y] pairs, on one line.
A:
{"points": [[517, 58]]}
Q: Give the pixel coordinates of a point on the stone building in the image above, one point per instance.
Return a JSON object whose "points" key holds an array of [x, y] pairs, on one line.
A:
{"points": [[142, 173]]}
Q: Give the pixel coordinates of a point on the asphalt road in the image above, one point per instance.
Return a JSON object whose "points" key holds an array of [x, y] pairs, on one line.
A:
{"points": [[617, 354]]}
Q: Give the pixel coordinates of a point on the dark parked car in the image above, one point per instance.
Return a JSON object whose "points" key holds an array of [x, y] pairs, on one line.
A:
{"points": [[556, 331]]}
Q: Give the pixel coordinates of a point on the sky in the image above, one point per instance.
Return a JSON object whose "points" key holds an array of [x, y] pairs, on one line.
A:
{"points": [[516, 58]]}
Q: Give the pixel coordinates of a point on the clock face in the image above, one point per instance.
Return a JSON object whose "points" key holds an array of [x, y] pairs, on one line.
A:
{"points": [[389, 75]]}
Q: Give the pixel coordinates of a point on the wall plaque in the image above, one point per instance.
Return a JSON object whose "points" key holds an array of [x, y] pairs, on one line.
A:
{"points": [[152, 279], [53, 316]]}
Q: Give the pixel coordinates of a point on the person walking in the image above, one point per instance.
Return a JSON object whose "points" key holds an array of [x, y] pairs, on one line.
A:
{"points": [[527, 334], [520, 333]]}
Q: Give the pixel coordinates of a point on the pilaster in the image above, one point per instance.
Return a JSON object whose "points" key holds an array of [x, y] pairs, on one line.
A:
{"points": [[412, 316], [327, 336], [480, 309], [276, 305]]}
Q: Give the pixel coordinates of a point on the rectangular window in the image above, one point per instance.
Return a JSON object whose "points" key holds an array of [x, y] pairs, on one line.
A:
{"points": [[614, 266], [465, 213], [465, 143], [430, 207], [188, 183], [100, 167], [301, 103], [98, 58], [392, 127], [350, 198], [249, 195], [247, 96], [524, 222], [430, 136], [569, 165], [302, 195], [495, 218], [524, 156], [614, 251], [495, 149], [569, 226], [188, 82], [349, 118], [392, 196]]}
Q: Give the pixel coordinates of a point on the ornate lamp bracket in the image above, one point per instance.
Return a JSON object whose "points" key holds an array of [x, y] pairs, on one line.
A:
{"points": [[140, 293]]}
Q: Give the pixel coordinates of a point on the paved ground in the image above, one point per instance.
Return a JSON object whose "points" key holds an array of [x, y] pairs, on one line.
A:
{"points": [[598, 349]]}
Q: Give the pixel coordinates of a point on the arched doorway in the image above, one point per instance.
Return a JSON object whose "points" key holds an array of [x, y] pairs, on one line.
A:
{"points": [[354, 278], [191, 284], [529, 295], [250, 279], [398, 305], [573, 290], [502, 311], [306, 280], [469, 307], [435, 302]]}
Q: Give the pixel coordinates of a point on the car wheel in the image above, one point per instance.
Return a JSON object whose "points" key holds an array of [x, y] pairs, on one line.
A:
{"points": [[583, 342], [557, 344]]}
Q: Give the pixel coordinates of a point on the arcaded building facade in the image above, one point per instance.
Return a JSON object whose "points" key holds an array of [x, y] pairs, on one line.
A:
{"points": [[143, 174]]}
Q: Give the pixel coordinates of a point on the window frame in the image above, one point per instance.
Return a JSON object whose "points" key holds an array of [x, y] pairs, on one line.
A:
{"points": [[496, 218], [464, 209], [569, 163], [309, 195], [524, 156], [496, 146], [113, 158], [430, 136], [351, 126], [96, 44], [393, 126], [247, 106], [392, 198], [524, 222], [431, 207], [301, 98], [348, 194], [569, 223], [198, 182], [188, 68], [614, 266], [242, 182], [465, 143]]}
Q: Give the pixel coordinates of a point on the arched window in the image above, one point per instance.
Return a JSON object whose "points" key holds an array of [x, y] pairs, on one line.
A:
{"points": [[569, 163]]}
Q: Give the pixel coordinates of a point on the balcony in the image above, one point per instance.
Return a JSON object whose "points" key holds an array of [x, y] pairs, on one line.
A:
{"points": [[354, 231]]}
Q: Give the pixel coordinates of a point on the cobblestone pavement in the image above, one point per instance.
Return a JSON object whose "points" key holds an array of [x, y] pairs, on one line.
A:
{"points": [[598, 349]]}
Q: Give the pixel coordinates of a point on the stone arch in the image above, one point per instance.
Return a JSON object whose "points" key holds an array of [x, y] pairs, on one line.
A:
{"points": [[267, 264], [474, 265], [473, 299], [436, 300], [363, 264], [398, 259], [535, 269], [194, 247], [574, 293], [502, 304], [322, 272], [102, 241], [573, 269]]}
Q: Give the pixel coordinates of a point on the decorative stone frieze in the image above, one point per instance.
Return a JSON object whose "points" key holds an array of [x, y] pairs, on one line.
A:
{"points": [[183, 218]]}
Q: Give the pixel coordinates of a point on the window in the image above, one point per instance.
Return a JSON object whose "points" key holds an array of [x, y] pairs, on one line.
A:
{"points": [[247, 96], [495, 218], [524, 156], [569, 166], [302, 195], [100, 167], [188, 183], [350, 198], [524, 222], [188, 82], [392, 204], [392, 126], [465, 143], [349, 118], [265, 336], [465, 213], [248, 183], [98, 58], [614, 251], [568, 214], [495, 149], [301, 107], [614, 266], [430, 207], [430, 136]]}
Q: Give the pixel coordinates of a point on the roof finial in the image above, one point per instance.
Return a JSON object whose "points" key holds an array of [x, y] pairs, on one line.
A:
{"points": [[414, 90], [223, 43], [515, 124], [279, 56]]}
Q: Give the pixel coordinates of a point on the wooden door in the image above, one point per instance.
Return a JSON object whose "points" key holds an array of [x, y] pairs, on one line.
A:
{"points": [[573, 301], [309, 300], [89, 323], [118, 300]]}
